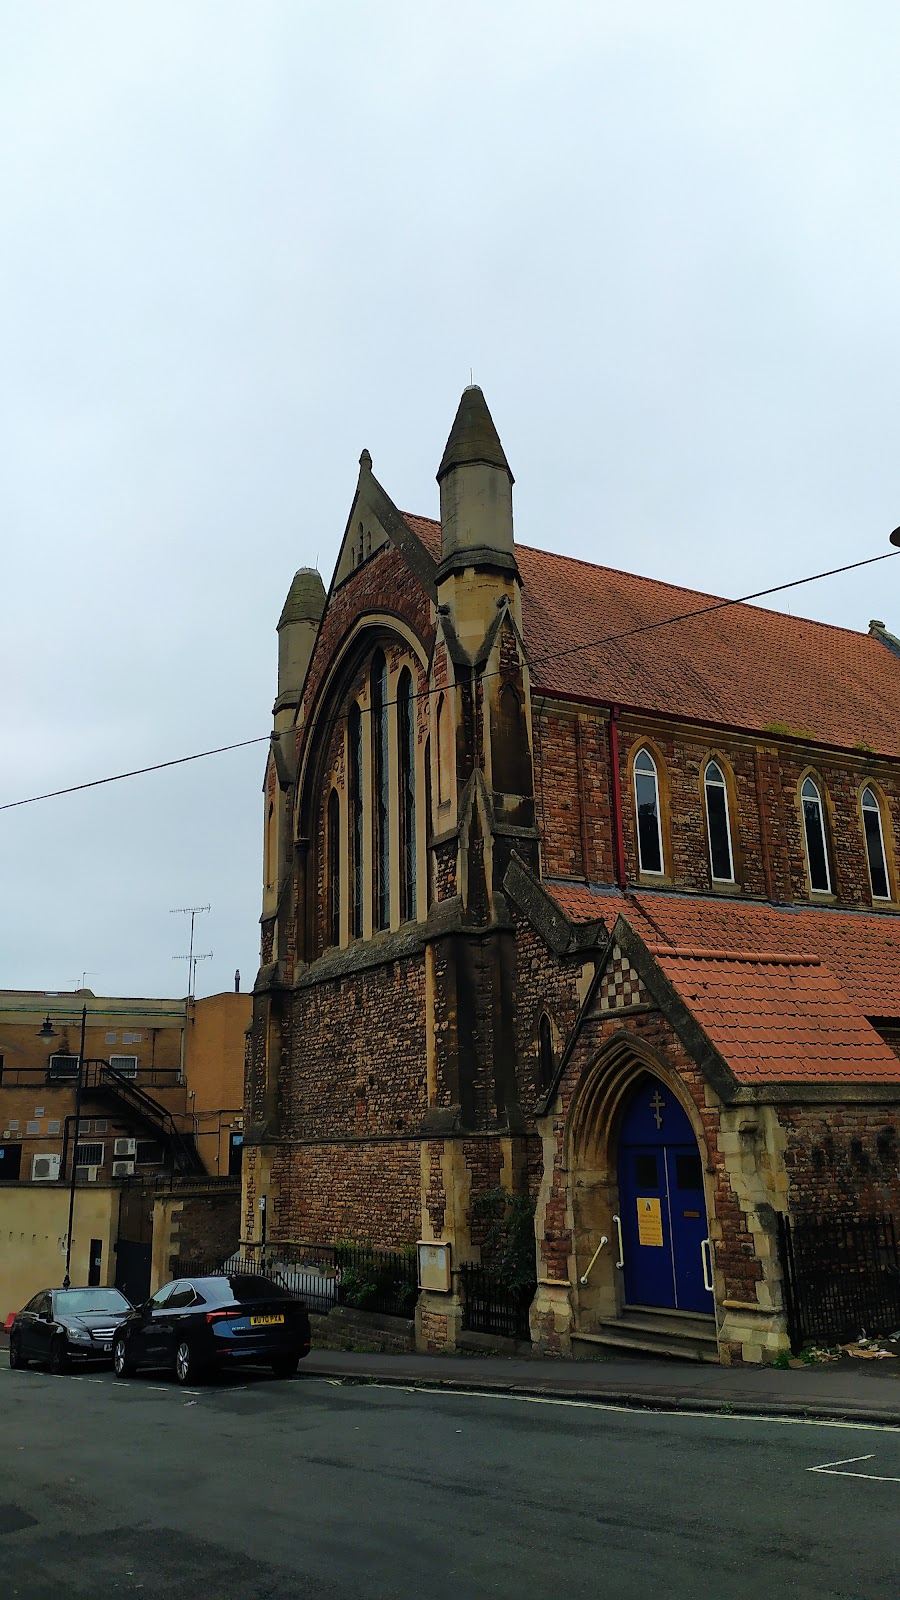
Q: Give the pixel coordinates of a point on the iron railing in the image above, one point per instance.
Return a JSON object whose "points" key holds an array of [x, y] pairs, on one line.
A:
{"points": [[359, 1276], [841, 1277], [490, 1307]]}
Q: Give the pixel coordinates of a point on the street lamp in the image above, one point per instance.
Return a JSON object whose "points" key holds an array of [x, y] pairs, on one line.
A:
{"points": [[48, 1032]]}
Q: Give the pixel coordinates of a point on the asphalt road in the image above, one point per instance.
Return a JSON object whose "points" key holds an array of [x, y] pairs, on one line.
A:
{"points": [[260, 1490]]}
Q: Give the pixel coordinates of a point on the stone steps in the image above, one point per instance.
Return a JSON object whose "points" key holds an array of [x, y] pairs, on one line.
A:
{"points": [[648, 1331]]}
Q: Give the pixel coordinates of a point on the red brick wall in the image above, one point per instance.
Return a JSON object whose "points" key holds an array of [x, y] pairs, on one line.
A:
{"points": [[575, 818], [357, 1053], [366, 1192], [842, 1158]]}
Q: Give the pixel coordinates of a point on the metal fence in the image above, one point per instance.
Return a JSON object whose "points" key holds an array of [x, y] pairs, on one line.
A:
{"points": [[490, 1307], [360, 1276], [841, 1277]]}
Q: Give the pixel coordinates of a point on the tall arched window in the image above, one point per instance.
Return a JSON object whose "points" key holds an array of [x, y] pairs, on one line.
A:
{"points": [[354, 740], [381, 819], [406, 766], [442, 718], [546, 1062], [721, 860], [878, 872], [334, 869], [816, 845], [646, 799], [428, 799], [269, 848]]}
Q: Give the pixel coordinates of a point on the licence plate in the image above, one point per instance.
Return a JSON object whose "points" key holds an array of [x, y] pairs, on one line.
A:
{"points": [[264, 1322]]}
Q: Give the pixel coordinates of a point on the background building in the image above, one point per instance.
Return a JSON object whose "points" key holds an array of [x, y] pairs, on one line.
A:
{"points": [[161, 1102]]}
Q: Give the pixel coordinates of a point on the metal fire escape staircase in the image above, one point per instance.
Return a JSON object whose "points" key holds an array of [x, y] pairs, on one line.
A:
{"points": [[101, 1082]]}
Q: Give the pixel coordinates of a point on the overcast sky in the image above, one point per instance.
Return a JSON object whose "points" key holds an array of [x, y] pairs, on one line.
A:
{"points": [[242, 241]]}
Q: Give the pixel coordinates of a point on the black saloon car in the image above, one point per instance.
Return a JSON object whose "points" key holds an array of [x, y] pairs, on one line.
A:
{"points": [[61, 1325], [197, 1324]]}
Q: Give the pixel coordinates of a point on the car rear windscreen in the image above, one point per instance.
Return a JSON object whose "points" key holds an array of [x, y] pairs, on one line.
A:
{"points": [[244, 1286]]}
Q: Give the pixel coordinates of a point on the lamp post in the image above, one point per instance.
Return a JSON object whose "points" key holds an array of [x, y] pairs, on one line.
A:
{"points": [[48, 1032]]}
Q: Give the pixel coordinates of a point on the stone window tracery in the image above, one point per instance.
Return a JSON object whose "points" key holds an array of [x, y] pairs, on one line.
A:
{"points": [[334, 868], [354, 740], [381, 821], [406, 739]]}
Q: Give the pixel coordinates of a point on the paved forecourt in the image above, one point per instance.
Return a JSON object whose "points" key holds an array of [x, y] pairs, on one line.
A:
{"points": [[257, 1488]]}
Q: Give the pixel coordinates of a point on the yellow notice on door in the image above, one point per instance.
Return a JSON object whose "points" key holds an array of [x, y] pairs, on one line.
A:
{"points": [[649, 1222]]}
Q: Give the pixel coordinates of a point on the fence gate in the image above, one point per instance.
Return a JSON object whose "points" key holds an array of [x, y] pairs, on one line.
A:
{"points": [[133, 1270], [841, 1277]]}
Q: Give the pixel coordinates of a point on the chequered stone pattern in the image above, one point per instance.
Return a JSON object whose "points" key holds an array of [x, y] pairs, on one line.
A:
{"points": [[620, 986]]}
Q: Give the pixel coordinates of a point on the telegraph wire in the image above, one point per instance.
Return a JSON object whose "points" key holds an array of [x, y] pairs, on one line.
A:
{"points": [[423, 694]]}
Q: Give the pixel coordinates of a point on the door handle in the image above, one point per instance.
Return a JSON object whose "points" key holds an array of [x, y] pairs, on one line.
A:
{"points": [[621, 1260], [706, 1252]]}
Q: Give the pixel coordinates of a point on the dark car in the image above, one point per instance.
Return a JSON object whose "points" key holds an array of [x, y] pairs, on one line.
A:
{"points": [[194, 1325], [60, 1326]]}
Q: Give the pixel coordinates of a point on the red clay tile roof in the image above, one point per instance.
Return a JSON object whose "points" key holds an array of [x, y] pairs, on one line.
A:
{"points": [[778, 1019], [741, 667], [860, 949]]}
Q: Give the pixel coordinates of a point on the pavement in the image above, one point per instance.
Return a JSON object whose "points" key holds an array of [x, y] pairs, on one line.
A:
{"points": [[843, 1391], [315, 1489]]}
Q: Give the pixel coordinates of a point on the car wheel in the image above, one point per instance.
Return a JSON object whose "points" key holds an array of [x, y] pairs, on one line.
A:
{"points": [[188, 1366], [123, 1366], [59, 1356], [285, 1366], [16, 1358]]}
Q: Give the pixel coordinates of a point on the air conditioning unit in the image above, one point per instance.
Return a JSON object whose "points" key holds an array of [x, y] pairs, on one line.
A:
{"points": [[125, 1147], [44, 1169], [123, 1169]]}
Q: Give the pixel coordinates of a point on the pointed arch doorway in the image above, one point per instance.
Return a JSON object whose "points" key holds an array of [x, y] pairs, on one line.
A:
{"points": [[662, 1205]]}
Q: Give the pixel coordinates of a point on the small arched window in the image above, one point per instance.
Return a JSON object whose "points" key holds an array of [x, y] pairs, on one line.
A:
{"points": [[355, 798], [334, 868], [816, 845], [878, 872], [546, 1062], [380, 793], [406, 736], [721, 859], [646, 799]]}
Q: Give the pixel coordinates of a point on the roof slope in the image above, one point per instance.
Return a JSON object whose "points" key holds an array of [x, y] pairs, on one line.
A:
{"points": [[778, 1019], [739, 666], [860, 949]]}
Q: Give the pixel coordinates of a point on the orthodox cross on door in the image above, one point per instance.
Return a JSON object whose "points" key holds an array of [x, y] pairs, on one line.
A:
{"points": [[656, 1106]]}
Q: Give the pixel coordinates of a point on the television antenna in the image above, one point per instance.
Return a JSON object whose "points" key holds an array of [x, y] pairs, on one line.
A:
{"points": [[192, 969], [193, 912]]}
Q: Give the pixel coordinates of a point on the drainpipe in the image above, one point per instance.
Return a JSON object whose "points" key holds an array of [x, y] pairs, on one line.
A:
{"points": [[615, 792]]}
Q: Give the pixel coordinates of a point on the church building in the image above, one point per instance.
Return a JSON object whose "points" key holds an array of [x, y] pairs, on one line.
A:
{"points": [[582, 886]]}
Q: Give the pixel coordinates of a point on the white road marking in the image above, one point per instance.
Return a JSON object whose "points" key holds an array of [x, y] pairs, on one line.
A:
{"points": [[831, 1469], [632, 1411]]}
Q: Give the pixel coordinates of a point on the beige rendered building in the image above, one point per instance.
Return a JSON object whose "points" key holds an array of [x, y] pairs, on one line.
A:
{"points": [[161, 1102]]}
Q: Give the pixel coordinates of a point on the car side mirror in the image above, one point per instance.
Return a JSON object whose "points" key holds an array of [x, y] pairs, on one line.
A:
{"points": [[46, 1316]]}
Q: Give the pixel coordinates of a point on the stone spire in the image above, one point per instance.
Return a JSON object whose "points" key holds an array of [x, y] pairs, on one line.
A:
{"points": [[297, 628], [476, 492]]}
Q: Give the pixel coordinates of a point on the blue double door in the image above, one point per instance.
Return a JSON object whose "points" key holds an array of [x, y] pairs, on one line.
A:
{"points": [[662, 1208]]}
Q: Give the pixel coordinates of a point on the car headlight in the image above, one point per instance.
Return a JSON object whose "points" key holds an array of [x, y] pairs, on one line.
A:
{"points": [[78, 1335]]}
